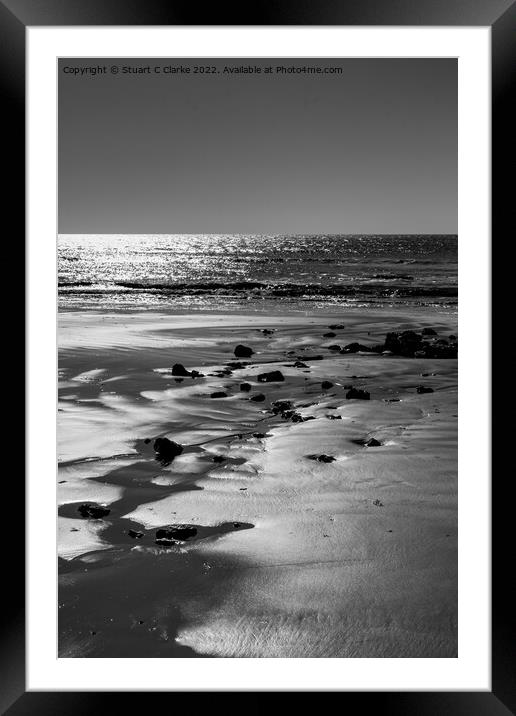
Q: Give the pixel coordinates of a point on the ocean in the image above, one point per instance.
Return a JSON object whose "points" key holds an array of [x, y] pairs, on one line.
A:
{"points": [[224, 270]]}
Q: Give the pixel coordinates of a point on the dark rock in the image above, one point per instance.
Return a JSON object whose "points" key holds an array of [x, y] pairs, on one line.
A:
{"points": [[357, 394], [237, 365], [93, 512], [334, 417], [273, 376], [147, 441], [321, 458], [166, 450], [176, 532], [334, 347], [179, 369], [377, 503], [245, 387], [267, 332], [355, 348], [259, 435], [218, 458], [196, 374], [373, 442], [178, 380], [423, 389], [336, 326], [300, 364], [428, 332], [329, 335], [258, 398], [243, 351], [219, 394], [326, 384], [134, 534]]}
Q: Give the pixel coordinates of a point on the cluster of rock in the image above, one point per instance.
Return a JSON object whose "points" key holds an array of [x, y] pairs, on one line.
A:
{"points": [[409, 344], [92, 512], [284, 409], [420, 345]]}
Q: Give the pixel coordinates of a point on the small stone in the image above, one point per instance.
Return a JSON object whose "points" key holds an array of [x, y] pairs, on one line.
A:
{"points": [[321, 458], [179, 369], [176, 532], [134, 534], [423, 389], [243, 351], [274, 376], [166, 450], [245, 387], [373, 442], [356, 394], [326, 384], [258, 398], [219, 394]]}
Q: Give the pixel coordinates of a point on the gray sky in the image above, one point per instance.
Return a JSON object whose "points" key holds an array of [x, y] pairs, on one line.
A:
{"points": [[370, 150]]}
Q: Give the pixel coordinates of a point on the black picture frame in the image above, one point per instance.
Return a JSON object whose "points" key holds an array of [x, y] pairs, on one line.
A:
{"points": [[500, 16]]}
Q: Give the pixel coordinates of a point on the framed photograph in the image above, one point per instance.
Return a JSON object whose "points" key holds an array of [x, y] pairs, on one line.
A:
{"points": [[258, 353]]}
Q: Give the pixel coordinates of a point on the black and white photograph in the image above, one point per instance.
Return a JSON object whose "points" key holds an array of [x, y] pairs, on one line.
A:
{"points": [[257, 357]]}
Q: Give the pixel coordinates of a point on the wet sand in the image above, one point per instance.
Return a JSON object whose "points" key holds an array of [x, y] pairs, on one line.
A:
{"points": [[293, 557]]}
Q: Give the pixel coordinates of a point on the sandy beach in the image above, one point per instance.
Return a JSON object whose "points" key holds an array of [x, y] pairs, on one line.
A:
{"points": [[309, 541]]}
